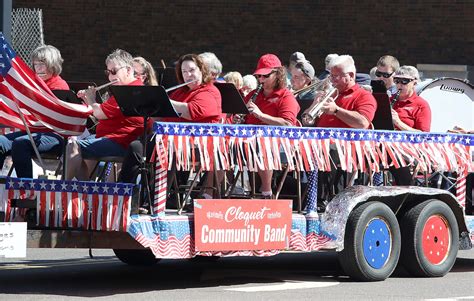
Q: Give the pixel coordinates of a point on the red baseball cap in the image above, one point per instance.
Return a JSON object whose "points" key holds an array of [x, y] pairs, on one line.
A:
{"points": [[267, 63]]}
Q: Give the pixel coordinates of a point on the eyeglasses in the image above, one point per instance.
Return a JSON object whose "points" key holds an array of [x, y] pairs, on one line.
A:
{"points": [[403, 81], [264, 76], [383, 74], [113, 72], [337, 76]]}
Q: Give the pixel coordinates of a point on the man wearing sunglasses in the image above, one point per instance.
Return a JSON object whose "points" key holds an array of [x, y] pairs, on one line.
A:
{"points": [[386, 67], [114, 131]]}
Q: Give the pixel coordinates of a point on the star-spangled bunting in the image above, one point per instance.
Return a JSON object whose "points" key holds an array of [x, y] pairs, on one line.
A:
{"points": [[73, 204], [261, 147]]}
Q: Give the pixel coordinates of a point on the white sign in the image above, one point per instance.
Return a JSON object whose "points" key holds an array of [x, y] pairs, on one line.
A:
{"points": [[13, 240]]}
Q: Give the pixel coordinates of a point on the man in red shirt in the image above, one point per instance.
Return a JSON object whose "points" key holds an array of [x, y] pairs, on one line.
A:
{"points": [[114, 131], [354, 107]]}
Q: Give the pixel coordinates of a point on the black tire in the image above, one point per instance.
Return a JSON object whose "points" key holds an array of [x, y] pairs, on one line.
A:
{"points": [[356, 262], [136, 256], [417, 248]]}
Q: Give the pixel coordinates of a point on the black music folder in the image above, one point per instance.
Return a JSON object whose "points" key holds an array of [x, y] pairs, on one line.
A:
{"points": [[383, 114], [67, 96], [77, 86], [378, 86], [232, 101], [149, 101]]}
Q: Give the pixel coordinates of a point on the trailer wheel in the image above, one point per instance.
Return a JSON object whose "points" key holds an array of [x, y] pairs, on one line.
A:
{"points": [[430, 239], [371, 243], [136, 256]]}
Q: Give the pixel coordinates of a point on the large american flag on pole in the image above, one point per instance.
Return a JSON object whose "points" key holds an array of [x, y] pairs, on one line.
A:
{"points": [[43, 111]]}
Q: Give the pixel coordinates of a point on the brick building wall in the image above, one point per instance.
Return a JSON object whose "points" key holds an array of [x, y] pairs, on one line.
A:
{"points": [[431, 31]]}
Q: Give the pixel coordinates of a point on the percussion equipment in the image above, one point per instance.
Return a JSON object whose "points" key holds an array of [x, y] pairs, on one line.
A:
{"points": [[451, 103]]}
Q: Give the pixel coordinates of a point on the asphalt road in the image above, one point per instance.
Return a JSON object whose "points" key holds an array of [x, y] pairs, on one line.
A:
{"points": [[57, 274]]}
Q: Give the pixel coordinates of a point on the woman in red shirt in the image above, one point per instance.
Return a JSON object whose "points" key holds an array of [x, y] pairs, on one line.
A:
{"points": [[275, 105], [410, 112]]}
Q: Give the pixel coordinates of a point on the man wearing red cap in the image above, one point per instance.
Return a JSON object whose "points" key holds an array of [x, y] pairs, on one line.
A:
{"points": [[275, 105]]}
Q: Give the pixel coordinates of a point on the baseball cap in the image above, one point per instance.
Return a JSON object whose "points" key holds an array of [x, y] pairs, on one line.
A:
{"points": [[297, 57], [267, 63], [306, 68]]}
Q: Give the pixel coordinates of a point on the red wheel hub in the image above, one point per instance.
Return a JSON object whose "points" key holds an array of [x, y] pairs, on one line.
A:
{"points": [[436, 239]]}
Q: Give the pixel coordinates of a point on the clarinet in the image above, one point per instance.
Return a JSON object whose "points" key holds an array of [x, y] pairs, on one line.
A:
{"points": [[240, 118], [257, 91], [395, 98]]}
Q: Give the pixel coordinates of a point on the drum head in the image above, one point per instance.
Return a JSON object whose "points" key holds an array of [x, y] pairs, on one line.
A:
{"points": [[451, 103]]}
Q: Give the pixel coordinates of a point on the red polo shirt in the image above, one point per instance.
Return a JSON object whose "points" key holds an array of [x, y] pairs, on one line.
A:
{"points": [[354, 99], [414, 112], [204, 103], [56, 83], [280, 103], [117, 127]]}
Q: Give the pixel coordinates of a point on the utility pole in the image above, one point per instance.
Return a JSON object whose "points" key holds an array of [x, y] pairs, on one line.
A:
{"points": [[6, 19]]}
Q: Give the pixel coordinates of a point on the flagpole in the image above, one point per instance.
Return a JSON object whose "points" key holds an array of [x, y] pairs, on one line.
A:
{"points": [[27, 129]]}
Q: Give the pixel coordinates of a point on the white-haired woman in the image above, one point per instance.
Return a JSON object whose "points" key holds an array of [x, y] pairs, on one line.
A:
{"points": [[47, 64], [410, 112]]}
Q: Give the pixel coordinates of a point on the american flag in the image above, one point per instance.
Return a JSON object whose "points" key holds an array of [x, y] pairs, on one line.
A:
{"points": [[21, 88], [73, 204]]}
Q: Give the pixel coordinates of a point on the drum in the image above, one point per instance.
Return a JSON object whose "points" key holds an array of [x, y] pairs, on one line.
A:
{"points": [[451, 103]]}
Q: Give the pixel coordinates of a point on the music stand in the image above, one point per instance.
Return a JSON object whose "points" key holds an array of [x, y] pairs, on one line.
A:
{"points": [[146, 102], [378, 86], [232, 101], [67, 96], [383, 115]]}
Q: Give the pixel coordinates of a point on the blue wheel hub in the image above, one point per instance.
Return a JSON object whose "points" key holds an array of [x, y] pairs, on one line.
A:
{"points": [[377, 243]]}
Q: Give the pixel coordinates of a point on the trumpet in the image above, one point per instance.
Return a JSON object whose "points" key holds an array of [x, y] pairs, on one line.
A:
{"points": [[314, 111]]}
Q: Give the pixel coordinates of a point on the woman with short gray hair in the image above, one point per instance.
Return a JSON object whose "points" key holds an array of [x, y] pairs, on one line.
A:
{"points": [[47, 64]]}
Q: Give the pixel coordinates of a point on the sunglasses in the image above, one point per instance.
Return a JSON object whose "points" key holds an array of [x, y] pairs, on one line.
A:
{"points": [[264, 76], [403, 81], [113, 72], [383, 74]]}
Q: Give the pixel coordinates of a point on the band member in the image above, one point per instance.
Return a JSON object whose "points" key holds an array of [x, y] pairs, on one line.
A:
{"points": [[249, 84], [410, 112], [275, 105], [354, 107], [47, 64], [302, 76], [199, 101], [114, 131], [386, 67], [213, 64], [327, 61], [144, 71]]}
